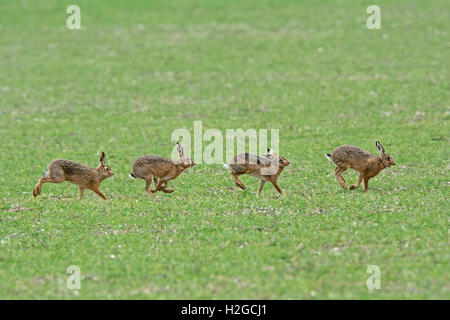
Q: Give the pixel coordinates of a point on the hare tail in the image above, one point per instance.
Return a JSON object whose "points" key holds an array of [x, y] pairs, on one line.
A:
{"points": [[132, 176]]}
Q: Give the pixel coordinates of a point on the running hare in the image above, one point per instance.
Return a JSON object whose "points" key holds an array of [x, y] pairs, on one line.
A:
{"points": [[266, 168], [84, 177], [149, 167], [368, 165]]}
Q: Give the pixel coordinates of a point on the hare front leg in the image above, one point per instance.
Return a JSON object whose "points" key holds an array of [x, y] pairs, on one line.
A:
{"points": [[80, 193], [366, 184], [360, 177], [97, 191], [161, 186], [275, 184], [158, 186], [261, 185], [165, 189]]}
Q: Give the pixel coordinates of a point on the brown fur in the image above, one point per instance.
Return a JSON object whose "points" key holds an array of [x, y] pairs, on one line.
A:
{"points": [[84, 177], [151, 168], [253, 165], [368, 165]]}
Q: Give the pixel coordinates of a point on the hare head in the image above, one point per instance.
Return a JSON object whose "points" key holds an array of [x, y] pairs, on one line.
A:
{"points": [[103, 170], [385, 159], [185, 162], [283, 162]]}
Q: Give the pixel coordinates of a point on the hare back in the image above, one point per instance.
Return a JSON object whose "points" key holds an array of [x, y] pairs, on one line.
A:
{"points": [[351, 156], [151, 159], [69, 168], [248, 163], [156, 166], [72, 171]]}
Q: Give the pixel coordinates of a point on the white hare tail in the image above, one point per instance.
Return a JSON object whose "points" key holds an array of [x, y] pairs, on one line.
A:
{"points": [[328, 156]]}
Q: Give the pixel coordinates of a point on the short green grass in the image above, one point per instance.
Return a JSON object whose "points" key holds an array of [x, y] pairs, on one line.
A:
{"points": [[140, 69]]}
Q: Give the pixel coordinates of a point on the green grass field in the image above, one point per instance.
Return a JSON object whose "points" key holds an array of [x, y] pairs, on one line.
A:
{"points": [[137, 70]]}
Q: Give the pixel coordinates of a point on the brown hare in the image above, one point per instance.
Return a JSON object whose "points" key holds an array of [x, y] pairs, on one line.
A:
{"points": [[84, 177], [266, 168], [368, 165], [151, 168]]}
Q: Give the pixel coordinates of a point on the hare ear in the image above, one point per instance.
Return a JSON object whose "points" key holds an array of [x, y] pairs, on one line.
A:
{"points": [[102, 158], [380, 147], [180, 149]]}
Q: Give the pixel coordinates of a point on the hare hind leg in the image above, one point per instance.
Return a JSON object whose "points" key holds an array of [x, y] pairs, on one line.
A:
{"points": [[148, 182], [38, 188], [55, 178], [238, 182], [339, 178]]}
